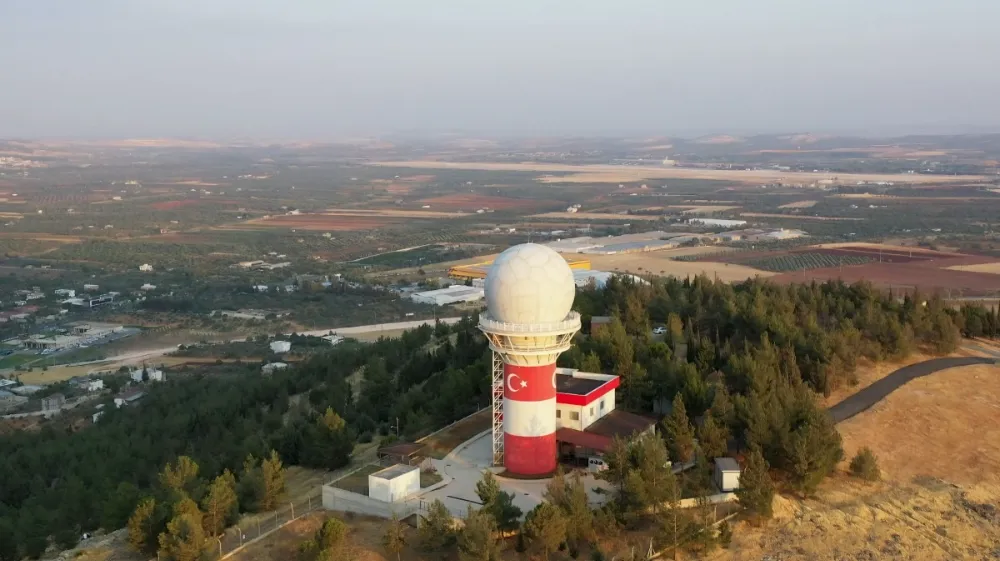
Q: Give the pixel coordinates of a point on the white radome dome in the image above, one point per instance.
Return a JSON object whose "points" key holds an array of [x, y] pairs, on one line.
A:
{"points": [[529, 283]]}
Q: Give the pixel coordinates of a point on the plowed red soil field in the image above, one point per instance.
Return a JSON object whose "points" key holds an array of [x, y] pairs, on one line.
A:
{"points": [[906, 270]]}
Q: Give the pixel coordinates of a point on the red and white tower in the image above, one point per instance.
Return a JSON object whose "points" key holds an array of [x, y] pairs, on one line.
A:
{"points": [[529, 293]]}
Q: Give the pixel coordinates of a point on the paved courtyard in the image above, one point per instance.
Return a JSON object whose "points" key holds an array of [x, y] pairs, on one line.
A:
{"points": [[464, 467]]}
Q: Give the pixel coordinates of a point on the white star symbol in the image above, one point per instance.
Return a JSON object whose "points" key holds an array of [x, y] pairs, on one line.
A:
{"points": [[524, 384]]}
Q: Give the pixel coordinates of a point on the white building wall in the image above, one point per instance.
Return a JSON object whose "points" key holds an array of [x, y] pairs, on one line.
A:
{"points": [[588, 414], [395, 489], [564, 416]]}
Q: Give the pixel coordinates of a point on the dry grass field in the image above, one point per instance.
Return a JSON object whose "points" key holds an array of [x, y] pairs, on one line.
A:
{"points": [[929, 520], [620, 174], [946, 425], [992, 268], [660, 263]]}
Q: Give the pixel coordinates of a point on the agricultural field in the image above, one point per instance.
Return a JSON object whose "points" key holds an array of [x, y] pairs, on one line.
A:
{"points": [[596, 216], [805, 260], [428, 254], [662, 263], [617, 174], [904, 269], [472, 202]]}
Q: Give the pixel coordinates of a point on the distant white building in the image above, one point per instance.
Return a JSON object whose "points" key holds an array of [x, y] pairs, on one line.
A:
{"points": [[583, 277], [153, 374], [280, 346], [451, 295], [717, 222], [128, 398], [334, 339], [54, 402], [146, 268], [260, 288], [26, 390], [65, 292], [10, 400], [271, 367], [147, 287], [91, 287], [94, 385]]}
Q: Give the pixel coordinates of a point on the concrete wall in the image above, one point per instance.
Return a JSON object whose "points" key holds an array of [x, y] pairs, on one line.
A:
{"points": [[712, 500], [346, 501]]}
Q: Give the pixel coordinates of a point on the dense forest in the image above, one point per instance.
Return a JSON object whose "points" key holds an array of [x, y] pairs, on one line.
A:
{"points": [[745, 361], [63, 482]]}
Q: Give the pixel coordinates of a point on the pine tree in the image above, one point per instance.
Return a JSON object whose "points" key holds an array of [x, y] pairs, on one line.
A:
{"points": [[394, 538], [181, 477], [478, 539], [436, 530], [497, 503], [545, 528], [713, 437], [813, 452], [273, 482], [220, 504], [591, 363], [673, 521], [618, 463], [184, 539], [756, 492], [678, 432], [140, 527], [487, 488]]}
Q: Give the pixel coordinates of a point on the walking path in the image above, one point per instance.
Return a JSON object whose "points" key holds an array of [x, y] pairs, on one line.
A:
{"points": [[876, 392]]}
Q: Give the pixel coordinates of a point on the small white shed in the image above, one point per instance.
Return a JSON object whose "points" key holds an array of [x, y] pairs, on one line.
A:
{"points": [[394, 484], [727, 474], [281, 346]]}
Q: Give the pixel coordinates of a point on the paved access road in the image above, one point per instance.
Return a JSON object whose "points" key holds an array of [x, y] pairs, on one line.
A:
{"points": [[879, 390]]}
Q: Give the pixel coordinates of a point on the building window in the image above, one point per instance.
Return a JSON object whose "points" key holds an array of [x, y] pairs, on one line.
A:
{"points": [[575, 416], [558, 413], [602, 405], [591, 411]]}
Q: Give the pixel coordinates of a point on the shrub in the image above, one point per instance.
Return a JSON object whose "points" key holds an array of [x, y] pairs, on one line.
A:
{"points": [[865, 465]]}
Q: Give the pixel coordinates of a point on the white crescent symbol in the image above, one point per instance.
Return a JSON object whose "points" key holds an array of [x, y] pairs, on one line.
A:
{"points": [[553, 379], [511, 386]]}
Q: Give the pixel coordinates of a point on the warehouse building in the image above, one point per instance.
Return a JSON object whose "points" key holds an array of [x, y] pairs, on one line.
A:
{"points": [[582, 279], [451, 295], [725, 223]]}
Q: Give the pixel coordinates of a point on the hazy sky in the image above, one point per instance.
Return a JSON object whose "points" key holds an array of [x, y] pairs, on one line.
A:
{"points": [[325, 68]]}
